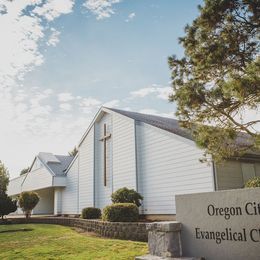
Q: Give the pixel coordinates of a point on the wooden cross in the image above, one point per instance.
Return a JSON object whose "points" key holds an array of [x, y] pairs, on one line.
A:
{"points": [[104, 139]]}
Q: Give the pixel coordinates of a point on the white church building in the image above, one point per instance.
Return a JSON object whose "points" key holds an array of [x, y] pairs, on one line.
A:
{"points": [[148, 153]]}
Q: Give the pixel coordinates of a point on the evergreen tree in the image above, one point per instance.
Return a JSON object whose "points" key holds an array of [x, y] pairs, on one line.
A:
{"points": [[73, 152], [7, 205], [4, 178], [218, 79], [24, 171]]}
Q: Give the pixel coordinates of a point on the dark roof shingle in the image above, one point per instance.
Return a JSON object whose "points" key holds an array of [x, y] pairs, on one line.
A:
{"points": [[59, 165], [168, 124]]}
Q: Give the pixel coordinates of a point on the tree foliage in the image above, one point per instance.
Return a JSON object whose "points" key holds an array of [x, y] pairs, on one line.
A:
{"points": [[4, 178], [73, 152], [217, 81], [7, 205], [24, 171], [125, 195], [253, 183], [28, 201]]}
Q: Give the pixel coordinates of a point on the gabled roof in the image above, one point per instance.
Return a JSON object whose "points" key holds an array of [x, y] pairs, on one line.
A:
{"points": [[168, 124], [173, 126], [56, 163]]}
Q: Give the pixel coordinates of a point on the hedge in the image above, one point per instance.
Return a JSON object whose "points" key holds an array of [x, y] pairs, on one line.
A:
{"points": [[121, 212], [91, 213]]}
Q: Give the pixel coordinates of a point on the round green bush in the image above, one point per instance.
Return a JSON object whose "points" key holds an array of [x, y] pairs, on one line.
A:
{"points": [[253, 183], [28, 201], [125, 195], [91, 213], [121, 212]]}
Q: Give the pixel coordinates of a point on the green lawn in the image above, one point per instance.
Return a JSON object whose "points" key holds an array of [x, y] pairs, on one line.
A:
{"points": [[42, 241]]}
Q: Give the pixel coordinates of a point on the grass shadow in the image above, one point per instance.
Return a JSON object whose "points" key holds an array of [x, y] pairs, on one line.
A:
{"points": [[16, 230]]}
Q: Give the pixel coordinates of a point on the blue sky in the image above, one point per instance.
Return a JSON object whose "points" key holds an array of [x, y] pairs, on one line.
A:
{"points": [[65, 58], [112, 56]]}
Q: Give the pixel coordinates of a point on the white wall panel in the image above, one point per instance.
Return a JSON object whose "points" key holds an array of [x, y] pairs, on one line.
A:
{"points": [[70, 193], [124, 154], [103, 193], [86, 171], [168, 165]]}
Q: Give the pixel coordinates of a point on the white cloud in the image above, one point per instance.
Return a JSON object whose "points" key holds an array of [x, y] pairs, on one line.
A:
{"points": [[151, 111], [158, 91], [101, 8], [89, 104], [22, 34], [164, 92], [33, 121], [112, 103], [19, 37], [248, 115], [148, 111], [54, 37], [131, 16], [65, 97], [65, 107], [52, 9], [143, 92]]}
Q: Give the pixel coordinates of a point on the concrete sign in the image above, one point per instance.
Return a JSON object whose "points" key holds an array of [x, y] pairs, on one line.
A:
{"points": [[220, 225]]}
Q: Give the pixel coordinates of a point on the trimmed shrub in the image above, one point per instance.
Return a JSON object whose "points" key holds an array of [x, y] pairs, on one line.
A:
{"points": [[121, 212], [125, 195], [7, 205], [27, 202], [91, 213], [253, 183]]}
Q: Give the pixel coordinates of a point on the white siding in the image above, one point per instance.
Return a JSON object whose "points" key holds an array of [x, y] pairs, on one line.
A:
{"points": [[57, 201], [15, 186], [103, 193], [124, 157], [46, 202], [70, 193], [86, 171], [168, 165], [37, 179]]}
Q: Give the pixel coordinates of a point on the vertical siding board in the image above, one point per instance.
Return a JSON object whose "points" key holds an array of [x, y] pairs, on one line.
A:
{"points": [[229, 175], [70, 193], [86, 167], [103, 193], [232, 174], [164, 163], [124, 153]]}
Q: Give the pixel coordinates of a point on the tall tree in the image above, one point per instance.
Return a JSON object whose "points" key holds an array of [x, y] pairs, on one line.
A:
{"points": [[24, 171], [217, 81], [73, 152], [7, 205], [4, 178]]}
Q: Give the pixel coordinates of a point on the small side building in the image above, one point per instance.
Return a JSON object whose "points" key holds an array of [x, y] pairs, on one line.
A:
{"points": [[46, 176]]}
